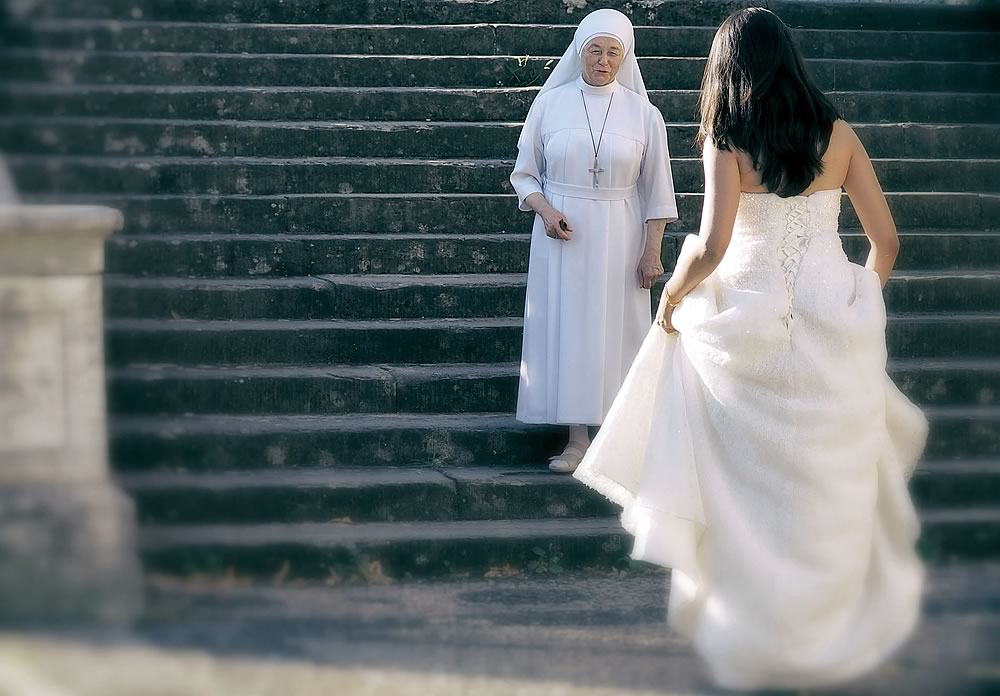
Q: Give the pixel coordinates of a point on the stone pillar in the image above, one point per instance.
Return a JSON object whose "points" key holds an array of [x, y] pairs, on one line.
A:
{"points": [[67, 534], [8, 194]]}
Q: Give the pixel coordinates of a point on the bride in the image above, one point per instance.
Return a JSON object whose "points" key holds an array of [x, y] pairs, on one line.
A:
{"points": [[757, 445]]}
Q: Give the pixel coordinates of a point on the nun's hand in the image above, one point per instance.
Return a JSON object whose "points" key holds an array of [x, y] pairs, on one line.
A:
{"points": [[556, 225], [650, 269]]}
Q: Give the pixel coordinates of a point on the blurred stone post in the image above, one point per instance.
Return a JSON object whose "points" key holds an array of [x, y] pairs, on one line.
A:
{"points": [[67, 534], [7, 192]]}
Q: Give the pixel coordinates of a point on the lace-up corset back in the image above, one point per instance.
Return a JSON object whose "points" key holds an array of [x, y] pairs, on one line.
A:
{"points": [[773, 237]]}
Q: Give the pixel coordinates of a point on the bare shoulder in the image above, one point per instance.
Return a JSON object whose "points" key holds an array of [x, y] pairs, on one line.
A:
{"points": [[842, 128], [711, 151], [720, 165], [843, 139], [840, 153]]}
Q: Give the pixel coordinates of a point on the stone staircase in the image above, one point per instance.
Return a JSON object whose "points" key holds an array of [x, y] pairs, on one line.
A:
{"points": [[313, 316]]}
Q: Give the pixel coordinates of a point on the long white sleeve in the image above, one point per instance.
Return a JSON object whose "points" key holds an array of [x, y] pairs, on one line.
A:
{"points": [[529, 169], [656, 183]]}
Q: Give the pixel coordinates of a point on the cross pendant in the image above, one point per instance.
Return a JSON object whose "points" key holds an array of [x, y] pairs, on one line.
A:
{"points": [[595, 170]]}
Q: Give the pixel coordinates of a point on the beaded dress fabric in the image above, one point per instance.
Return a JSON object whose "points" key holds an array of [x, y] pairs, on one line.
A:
{"points": [[762, 453]]}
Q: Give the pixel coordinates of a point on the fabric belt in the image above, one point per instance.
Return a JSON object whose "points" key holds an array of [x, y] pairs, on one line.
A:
{"points": [[596, 194]]}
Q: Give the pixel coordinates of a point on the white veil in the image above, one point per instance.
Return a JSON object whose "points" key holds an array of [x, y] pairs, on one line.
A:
{"points": [[603, 22], [600, 23]]}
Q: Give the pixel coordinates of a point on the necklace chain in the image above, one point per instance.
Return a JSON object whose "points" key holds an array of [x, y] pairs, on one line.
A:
{"points": [[590, 128]]}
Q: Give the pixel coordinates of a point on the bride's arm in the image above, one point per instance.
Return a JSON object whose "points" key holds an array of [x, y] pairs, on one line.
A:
{"points": [[722, 198], [869, 203]]}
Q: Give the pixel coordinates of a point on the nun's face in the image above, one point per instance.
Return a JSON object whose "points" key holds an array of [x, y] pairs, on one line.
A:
{"points": [[602, 56]]}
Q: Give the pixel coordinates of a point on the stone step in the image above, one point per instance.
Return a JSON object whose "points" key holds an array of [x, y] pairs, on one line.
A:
{"points": [[285, 69], [335, 551], [943, 532], [313, 389], [221, 442], [423, 494], [942, 483], [447, 296], [455, 213], [867, 15], [429, 104], [299, 255], [456, 388], [415, 494], [471, 39], [380, 495], [243, 342], [419, 139], [226, 442], [377, 550], [944, 382], [269, 176]]}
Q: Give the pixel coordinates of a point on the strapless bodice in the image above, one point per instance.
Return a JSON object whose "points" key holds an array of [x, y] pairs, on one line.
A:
{"points": [[789, 249], [769, 214]]}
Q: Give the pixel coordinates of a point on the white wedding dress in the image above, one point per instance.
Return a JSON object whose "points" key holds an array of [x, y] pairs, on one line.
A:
{"points": [[763, 452]]}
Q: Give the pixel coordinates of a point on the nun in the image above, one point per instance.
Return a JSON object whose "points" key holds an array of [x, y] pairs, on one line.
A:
{"points": [[593, 165]]}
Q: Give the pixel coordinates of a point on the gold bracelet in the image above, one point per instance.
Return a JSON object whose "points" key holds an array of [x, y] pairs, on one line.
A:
{"points": [[669, 303]]}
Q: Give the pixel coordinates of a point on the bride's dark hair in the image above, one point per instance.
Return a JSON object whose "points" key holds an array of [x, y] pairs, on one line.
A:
{"points": [[756, 96]]}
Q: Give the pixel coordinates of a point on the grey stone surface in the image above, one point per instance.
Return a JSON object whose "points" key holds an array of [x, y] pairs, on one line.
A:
{"points": [[52, 421], [8, 194], [66, 553], [55, 240], [566, 634]]}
